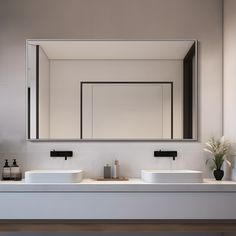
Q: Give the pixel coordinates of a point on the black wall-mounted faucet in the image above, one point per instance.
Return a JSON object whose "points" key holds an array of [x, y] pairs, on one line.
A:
{"points": [[61, 154], [160, 153]]}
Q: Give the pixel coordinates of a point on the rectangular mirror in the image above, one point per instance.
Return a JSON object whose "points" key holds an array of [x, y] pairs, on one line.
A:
{"points": [[111, 90]]}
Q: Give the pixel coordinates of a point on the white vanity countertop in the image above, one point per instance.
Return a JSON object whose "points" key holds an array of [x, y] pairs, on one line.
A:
{"points": [[132, 185]]}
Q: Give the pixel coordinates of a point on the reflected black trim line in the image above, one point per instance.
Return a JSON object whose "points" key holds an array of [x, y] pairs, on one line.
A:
{"points": [[29, 104], [37, 91]]}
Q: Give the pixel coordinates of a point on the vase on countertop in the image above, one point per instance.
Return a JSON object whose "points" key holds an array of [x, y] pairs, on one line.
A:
{"points": [[218, 174]]}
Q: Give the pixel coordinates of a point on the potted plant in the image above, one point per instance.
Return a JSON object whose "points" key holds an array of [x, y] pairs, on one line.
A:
{"points": [[219, 148]]}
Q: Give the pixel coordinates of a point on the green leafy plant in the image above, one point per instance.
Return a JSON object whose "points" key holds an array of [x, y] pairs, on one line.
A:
{"points": [[219, 148]]}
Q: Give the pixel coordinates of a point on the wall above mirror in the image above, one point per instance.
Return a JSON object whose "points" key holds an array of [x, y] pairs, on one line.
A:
{"points": [[111, 90]]}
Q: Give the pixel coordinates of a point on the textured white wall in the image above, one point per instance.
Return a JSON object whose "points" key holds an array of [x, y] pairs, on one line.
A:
{"points": [[116, 19], [44, 95], [230, 69]]}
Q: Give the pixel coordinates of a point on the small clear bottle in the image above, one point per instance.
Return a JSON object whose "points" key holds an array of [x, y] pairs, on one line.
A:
{"points": [[116, 170]]}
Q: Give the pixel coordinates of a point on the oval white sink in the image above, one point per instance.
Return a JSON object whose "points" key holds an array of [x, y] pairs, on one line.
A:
{"points": [[171, 176], [53, 176]]}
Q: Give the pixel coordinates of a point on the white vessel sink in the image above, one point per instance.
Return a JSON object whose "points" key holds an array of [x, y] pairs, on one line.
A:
{"points": [[53, 176], [171, 176]]}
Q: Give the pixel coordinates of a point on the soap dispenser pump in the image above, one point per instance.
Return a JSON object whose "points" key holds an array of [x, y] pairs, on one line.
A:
{"points": [[6, 173], [15, 171]]}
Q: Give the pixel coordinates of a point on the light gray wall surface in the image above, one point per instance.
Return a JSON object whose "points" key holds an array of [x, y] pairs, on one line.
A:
{"points": [[44, 94], [229, 69], [107, 19]]}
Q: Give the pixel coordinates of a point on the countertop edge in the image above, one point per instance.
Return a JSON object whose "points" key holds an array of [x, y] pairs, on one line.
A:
{"points": [[133, 185]]}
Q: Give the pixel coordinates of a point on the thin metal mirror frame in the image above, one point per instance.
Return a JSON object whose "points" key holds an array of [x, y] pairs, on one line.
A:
{"points": [[196, 139]]}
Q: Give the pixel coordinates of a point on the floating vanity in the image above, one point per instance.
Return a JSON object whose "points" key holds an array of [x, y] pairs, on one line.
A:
{"points": [[120, 206], [133, 199]]}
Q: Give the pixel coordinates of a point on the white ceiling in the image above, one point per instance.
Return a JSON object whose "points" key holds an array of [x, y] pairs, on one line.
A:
{"points": [[72, 49]]}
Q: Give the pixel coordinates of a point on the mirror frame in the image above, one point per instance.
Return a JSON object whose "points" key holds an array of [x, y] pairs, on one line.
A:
{"points": [[27, 114]]}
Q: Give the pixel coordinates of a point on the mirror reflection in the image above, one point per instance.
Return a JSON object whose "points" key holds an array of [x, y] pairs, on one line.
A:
{"points": [[112, 90]]}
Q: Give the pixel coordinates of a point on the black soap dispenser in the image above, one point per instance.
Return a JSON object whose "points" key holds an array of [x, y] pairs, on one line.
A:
{"points": [[15, 171], [6, 173]]}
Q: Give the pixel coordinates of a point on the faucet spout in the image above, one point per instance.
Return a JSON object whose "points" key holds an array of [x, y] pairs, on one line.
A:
{"points": [[160, 153], [64, 154]]}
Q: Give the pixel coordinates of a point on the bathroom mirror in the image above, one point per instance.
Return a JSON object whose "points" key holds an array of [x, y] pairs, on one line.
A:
{"points": [[111, 90]]}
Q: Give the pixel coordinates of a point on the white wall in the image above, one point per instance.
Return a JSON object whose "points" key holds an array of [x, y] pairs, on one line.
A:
{"points": [[66, 75], [117, 19], [44, 95], [230, 69]]}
